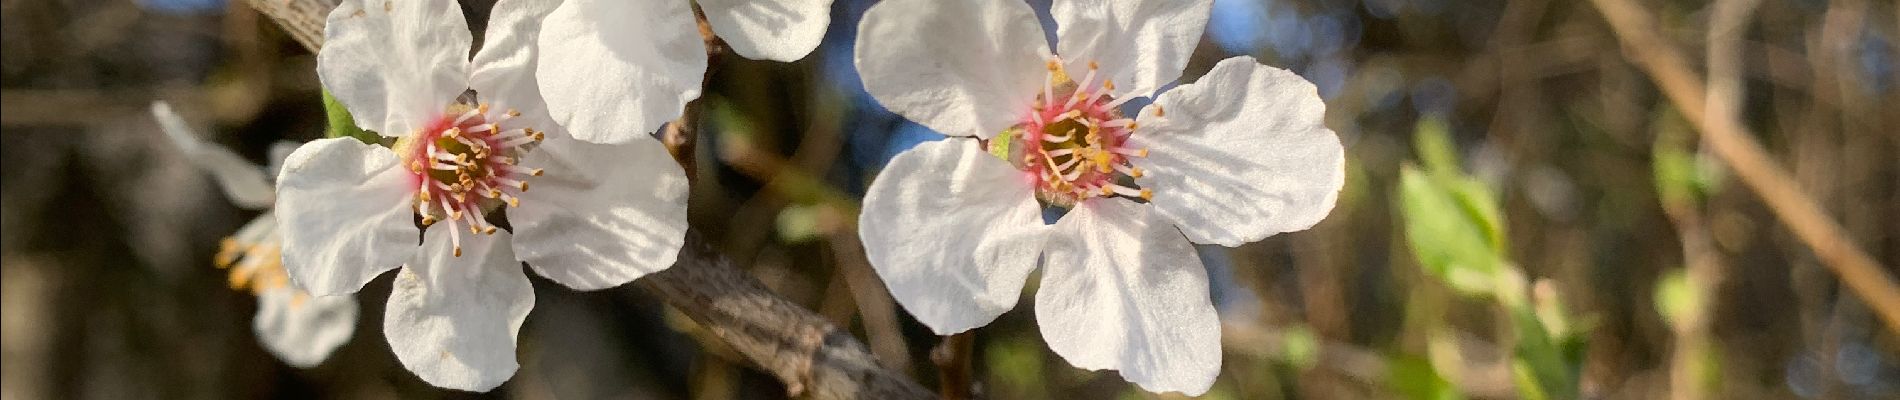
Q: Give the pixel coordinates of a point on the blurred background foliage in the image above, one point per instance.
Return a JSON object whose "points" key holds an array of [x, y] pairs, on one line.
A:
{"points": [[1524, 215]]}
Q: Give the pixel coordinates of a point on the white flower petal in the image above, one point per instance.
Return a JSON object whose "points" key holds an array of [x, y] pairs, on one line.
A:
{"points": [[395, 63], [302, 329], [1141, 44], [1121, 289], [778, 30], [613, 71], [1241, 155], [454, 320], [241, 180], [346, 214], [279, 151], [503, 72], [601, 215], [953, 231], [961, 68]]}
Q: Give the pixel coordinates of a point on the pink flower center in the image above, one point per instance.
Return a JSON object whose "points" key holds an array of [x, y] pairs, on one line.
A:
{"points": [[464, 163], [1074, 142]]}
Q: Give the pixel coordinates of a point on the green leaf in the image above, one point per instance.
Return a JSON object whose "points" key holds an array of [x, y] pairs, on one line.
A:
{"points": [[1449, 238], [1540, 365], [1415, 379], [1432, 140], [342, 124]]}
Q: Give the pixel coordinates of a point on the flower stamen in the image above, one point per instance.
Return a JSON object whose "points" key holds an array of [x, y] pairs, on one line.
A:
{"points": [[1076, 148], [465, 165]]}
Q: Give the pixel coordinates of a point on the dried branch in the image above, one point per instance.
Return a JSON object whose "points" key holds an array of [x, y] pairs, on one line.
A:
{"points": [[302, 19], [1731, 141], [792, 343], [801, 348]]}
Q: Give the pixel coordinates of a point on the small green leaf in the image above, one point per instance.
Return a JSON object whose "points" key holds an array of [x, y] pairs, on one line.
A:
{"points": [[1540, 361], [1432, 140], [1449, 239], [1415, 379], [342, 124]]}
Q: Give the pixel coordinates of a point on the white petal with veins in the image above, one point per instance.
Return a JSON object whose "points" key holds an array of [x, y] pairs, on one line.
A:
{"points": [[1140, 44], [1241, 154], [332, 246], [953, 232], [1122, 290], [961, 68], [454, 320], [395, 63], [603, 214], [778, 30]]}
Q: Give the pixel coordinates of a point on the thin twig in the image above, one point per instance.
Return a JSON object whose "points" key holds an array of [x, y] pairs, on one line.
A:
{"points": [[1732, 142], [806, 352], [953, 365]]}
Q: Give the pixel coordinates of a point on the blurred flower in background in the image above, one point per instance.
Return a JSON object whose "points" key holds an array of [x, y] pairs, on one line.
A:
{"points": [[299, 328]]}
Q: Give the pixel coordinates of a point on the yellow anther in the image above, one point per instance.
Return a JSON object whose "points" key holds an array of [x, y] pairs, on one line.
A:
{"points": [[228, 250], [1147, 194], [1101, 160], [1134, 172], [1108, 84], [1093, 65], [458, 250], [535, 172], [428, 220], [1053, 65], [489, 231], [1159, 111]]}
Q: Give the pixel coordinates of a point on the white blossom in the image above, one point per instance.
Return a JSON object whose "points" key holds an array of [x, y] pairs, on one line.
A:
{"points": [[619, 69], [598, 215], [954, 227], [298, 328]]}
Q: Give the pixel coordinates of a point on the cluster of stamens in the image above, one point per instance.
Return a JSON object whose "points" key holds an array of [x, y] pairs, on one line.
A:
{"points": [[254, 257], [465, 164], [1075, 141]]}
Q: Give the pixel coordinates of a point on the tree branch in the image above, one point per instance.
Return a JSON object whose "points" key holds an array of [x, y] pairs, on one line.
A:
{"points": [[801, 348], [1731, 141]]}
